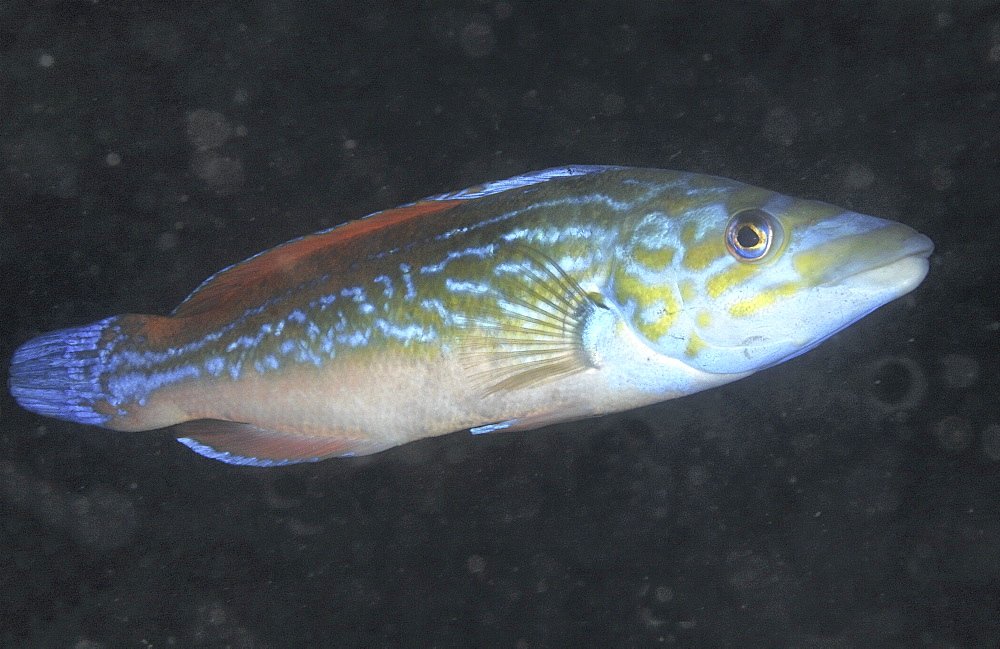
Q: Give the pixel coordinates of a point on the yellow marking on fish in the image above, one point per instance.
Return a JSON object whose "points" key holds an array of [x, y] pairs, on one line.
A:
{"points": [[764, 299], [689, 234], [688, 290], [657, 329], [814, 264], [699, 254], [680, 204], [630, 288], [654, 259], [721, 282], [695, 345]]}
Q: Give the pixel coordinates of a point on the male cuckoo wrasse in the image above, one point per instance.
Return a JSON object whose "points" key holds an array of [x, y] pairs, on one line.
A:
{"points": [[556, 295]]}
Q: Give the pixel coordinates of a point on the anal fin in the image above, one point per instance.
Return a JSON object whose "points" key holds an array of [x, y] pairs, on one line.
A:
{"points": [[492, 428], [244, 444]]}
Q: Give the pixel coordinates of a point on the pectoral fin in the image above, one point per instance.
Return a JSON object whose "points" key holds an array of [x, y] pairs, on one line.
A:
{"points": [[532, 332]]}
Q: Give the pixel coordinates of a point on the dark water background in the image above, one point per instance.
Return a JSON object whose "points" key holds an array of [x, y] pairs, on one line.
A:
{"points": [[848, 498]]}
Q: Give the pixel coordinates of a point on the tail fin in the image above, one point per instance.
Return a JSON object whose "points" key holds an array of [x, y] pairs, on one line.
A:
{"points": [[58, 374]]}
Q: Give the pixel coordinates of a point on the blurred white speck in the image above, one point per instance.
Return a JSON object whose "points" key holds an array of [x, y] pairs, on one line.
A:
{"points": [[46, 60], [612, 105], [299, 528], [477, 37], [942, 178], [166, 241], [102, 518], [781, 126], [944, 19], [161, 40], [86, 643], [697, 476], [222, 173], [954, 433], [285, 161], [991, 442], [651, 621], [475, 564], [207, 129], [39, 161], [350, 145], [859, 176], [960, 371], [112, 159], [894, 384]]}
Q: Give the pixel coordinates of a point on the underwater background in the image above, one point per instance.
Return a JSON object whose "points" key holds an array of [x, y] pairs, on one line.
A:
{"points": [[848, 498]]}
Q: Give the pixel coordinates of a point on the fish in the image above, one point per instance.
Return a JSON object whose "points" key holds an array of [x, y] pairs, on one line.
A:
{"points": [[548, 297]]}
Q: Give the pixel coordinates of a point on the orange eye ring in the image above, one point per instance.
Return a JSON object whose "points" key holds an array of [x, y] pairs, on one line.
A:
{"points": [[752, 234]]}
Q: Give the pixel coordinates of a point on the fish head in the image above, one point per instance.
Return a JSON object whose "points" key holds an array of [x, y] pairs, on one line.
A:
{"points": [[756, 278]]}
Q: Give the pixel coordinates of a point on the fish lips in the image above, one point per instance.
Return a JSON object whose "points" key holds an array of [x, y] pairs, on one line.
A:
{"points": [[899, 265]]}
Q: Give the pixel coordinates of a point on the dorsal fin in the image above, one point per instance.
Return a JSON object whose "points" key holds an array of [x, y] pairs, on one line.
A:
{"points": [[239, 286], [524, 180], [273, 268]]}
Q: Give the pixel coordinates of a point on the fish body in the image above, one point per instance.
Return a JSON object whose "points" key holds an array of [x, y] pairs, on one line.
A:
{"points": [[567, 293]]}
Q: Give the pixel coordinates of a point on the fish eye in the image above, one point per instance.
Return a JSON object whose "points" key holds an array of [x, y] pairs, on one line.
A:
{"points": [[752, 234]]}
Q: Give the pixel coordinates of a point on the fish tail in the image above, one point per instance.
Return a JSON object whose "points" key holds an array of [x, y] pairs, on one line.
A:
{"points": [[65, 374], [59, 374]]}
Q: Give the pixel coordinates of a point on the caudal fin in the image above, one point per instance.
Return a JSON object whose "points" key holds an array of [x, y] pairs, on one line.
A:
{"points": [[58, 374]]}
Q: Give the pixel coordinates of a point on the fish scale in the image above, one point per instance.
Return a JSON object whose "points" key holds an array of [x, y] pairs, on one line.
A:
{"points": [[566, 293]]}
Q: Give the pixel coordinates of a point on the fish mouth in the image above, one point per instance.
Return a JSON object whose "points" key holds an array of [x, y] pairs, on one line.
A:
{"points": [[891, 259], [899, 273]]}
